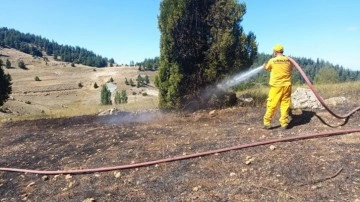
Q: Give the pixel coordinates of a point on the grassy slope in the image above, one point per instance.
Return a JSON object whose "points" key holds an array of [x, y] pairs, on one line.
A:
{"points": [[58, 93]]}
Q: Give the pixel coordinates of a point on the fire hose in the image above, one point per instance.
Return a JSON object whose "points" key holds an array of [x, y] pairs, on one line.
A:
{"points": [[177, 158]]}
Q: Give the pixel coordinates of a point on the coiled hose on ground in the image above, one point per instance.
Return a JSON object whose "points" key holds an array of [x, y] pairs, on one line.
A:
{"points": [[177, 158]]}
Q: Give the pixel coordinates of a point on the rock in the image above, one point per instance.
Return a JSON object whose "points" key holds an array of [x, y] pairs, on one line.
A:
{"points": [[249, 160], [31, 184], [68, 177], [56, 177], [196, 188], [117, 174], [304, 98], [45, 177], [272, 147], [334, 101], [245, 100], [89, 200], [112, 111], [213, 113]]}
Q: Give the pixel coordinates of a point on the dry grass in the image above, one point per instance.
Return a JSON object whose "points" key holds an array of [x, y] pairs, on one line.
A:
{"points": [[339, 89], [58, 94]]}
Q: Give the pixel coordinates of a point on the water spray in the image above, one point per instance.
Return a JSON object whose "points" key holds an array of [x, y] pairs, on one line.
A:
{"points": [[239, 78], [221, 88]]}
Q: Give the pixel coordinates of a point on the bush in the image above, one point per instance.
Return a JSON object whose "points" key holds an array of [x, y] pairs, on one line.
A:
{"points": [[327, 75], [80, 85], [22, 65], [95, 85], [222, 99], [7, 64], [132, 83], [37, 78]]}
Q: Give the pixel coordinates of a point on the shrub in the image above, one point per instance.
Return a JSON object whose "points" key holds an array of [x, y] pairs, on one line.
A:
{"points": [[132, 82], [22, 65], [37, 78], [8, 64]]}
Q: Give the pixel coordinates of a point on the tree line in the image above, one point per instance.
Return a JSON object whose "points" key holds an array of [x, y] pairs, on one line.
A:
{"points": [[36, 45], [151, 64]]}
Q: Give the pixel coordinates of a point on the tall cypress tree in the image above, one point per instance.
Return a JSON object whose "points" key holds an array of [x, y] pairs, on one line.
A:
{"points": [[201, 41]]}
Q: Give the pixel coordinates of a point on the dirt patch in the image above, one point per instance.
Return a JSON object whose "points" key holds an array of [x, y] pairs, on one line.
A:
{"points": [[321, 169]]}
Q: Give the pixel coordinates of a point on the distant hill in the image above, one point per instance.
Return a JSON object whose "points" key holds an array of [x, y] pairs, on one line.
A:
{"points": [[37, 46]]}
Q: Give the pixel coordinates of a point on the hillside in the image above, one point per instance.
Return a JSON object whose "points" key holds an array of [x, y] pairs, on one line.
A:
{"points": [[59, 92]]}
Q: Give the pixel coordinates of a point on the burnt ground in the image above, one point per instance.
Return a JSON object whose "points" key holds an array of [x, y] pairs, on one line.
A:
{"points": [[318, 169]]}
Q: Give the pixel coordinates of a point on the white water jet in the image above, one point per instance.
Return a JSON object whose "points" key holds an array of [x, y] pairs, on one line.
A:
{"points": [[237, 79]]}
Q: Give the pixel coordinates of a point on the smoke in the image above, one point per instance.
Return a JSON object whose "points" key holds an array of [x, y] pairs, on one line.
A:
{"points": [[118, 117], [199, 101], [218, 91], [239, 78]]}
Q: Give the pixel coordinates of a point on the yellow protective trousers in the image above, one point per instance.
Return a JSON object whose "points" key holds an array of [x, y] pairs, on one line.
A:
{"points": [[278, 96]]}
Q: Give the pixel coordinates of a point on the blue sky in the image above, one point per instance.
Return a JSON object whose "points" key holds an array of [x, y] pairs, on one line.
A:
{"points": [[127, 30]]}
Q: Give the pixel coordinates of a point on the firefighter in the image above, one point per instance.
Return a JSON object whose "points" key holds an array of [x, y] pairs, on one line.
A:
{"points": [[280, 69]]}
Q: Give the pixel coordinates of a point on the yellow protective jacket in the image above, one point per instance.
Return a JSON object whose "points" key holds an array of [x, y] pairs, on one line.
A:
{"points": [[280, 69]]}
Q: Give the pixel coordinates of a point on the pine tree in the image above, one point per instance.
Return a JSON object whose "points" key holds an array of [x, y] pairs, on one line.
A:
{"points": [[118, 98], [124, 96], [105, 96]]}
